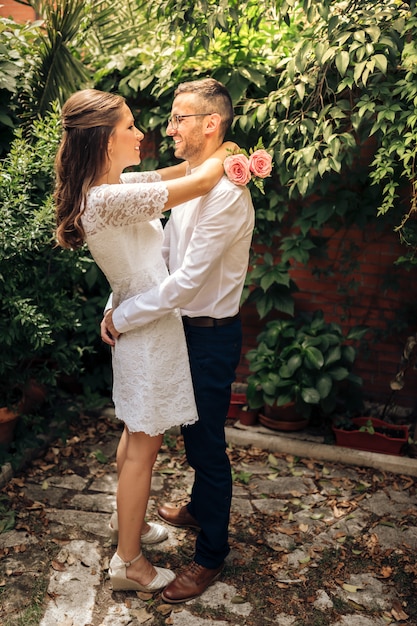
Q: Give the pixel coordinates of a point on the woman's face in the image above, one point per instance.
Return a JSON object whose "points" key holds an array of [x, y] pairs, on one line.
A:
{"points": [[124, 143]]}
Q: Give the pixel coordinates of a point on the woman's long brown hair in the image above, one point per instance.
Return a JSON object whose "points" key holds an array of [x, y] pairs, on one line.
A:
{"points": [[88, 119]]}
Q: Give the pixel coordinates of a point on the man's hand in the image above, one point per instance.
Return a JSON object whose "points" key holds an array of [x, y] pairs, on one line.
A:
{"points": [[108, 332]]}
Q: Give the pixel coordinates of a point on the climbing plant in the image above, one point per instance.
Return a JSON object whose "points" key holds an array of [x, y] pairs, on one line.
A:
{"points": [[318, 81]]}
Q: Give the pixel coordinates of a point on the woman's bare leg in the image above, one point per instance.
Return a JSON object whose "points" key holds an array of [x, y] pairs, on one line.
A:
{"points": [[122, 450], [120, 459], [138, 453]]}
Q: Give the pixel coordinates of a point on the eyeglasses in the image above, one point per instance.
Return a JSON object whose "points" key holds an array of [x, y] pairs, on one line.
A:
{"points": [[176, 120]]}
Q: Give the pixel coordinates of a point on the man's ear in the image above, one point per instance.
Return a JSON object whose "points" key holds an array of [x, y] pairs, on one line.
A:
{"points": [[213, 123]]}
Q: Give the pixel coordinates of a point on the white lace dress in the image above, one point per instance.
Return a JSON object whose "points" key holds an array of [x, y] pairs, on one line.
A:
{"points": [[152, 388]]}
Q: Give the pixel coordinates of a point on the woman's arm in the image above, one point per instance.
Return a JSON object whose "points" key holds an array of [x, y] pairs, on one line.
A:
{"points": [[173, 171], [201, 181]]}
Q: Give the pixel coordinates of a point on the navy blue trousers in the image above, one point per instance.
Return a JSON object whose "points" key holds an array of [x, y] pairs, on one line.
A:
{"points": [[214, 356]]}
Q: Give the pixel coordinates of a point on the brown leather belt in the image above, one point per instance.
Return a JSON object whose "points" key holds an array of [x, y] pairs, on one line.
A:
{"points": [[209, 322]]}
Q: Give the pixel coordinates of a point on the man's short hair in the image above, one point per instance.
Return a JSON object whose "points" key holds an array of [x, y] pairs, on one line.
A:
{"points": [[213, 93]]}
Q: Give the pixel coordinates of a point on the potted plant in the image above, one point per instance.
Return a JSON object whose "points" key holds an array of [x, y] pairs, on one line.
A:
{"points": [[247, 416], [302, 364], [372, 432], [237, 400]]}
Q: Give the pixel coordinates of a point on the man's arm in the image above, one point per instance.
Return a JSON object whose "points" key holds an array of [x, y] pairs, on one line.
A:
{"points": [[108, 332], [224, 216]]}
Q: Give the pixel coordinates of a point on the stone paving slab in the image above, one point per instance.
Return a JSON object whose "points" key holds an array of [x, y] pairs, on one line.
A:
{"points": [[322, 527], [73, 590], [324, 507]]}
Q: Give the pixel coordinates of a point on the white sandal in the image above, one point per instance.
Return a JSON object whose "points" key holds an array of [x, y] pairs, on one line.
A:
{"points": [[120, 582], [155, 534]]}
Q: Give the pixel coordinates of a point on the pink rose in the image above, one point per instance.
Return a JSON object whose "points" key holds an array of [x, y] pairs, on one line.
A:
{"points": [[237, 170], [260, 163]]}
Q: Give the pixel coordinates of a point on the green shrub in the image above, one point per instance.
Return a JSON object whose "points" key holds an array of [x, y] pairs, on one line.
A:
{"points": [[45, 326]]}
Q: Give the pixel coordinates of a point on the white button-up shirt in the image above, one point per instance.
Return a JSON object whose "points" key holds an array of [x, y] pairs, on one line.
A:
{"points": [[206, 248]]}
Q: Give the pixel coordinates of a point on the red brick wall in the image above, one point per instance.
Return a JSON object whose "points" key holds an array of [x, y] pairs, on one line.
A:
{"points": [[371, 305], [18, 12]]}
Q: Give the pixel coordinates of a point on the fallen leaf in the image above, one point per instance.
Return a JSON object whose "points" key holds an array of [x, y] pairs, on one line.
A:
{"points": [[272, 460], [238, 600], [164, 609], [397, 611], [141, 615], [143, 595], [399, 615], [35, 506], [386, 571], [287, 531], [339, 534], [20, 548], [58, 567], [19, 482], [351, 588]]}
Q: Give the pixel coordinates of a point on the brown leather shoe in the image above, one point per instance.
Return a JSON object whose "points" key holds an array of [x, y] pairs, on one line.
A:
{"points": [[177, 516], [190, 583]]}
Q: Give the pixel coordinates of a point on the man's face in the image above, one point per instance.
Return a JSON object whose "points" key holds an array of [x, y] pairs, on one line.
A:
{"points": [[187, 132]]}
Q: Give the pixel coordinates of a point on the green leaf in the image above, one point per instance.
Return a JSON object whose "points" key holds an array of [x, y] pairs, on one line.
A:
{"points": [[300, 88], [342, 62], [310, 395], [100, 456], [358, 71], [339, 373], [381, 62], [324, 385], [314, 357]]}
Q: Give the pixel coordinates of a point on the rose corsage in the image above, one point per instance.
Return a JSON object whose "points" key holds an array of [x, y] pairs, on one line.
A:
{"points": [[241, 167]]}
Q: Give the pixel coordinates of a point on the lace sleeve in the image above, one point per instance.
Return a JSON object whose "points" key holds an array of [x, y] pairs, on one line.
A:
{"points": [[110, 206], [141, 177]]}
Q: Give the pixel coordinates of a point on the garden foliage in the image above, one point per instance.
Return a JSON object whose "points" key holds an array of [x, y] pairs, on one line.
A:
{"points": [[315, 81]]}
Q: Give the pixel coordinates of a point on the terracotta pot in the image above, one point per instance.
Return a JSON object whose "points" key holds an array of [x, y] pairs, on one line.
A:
{"points": [[236, 401], [390, 441], [278, 424], [247, 416], [287, 412], [8, 421], [282, 417], [34, 395]]}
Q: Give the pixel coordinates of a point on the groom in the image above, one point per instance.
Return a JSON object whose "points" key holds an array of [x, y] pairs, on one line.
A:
{"points": [[206, 247]]}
